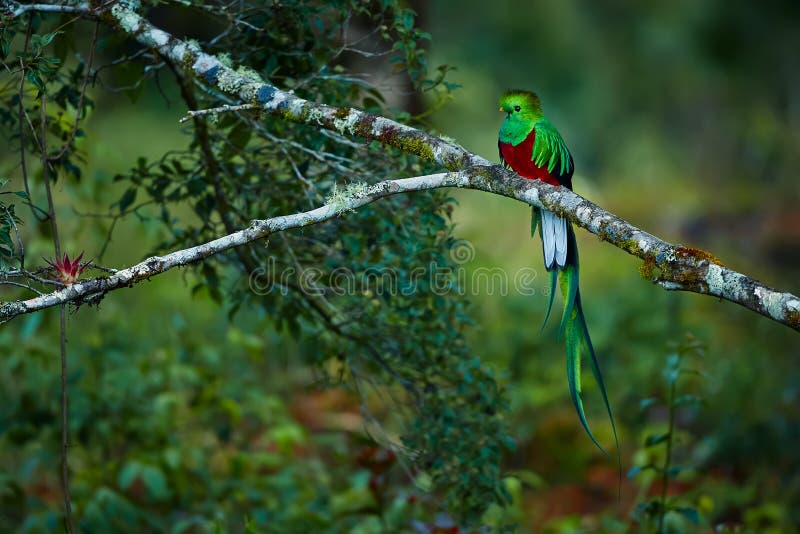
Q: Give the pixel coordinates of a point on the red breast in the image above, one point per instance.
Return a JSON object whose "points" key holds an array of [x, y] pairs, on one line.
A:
{"points": [[519, 159]]}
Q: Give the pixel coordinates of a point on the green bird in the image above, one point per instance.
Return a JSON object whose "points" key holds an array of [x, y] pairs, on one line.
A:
{"points": [[532, 147]]}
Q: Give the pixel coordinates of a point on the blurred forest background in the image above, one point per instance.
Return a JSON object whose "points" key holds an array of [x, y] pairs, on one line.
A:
{"points": [[683, 118]]}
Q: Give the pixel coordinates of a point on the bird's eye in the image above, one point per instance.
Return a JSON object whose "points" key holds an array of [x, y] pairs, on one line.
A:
{"points": [[516, 108]]}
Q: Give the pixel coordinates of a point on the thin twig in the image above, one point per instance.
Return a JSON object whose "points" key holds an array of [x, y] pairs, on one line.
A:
{"points": [[93, 265], [191, 114], [65, 422], [80, 110], [22, 115], [118, 61], [51, 209], [68, 524], [26, 286], [22, 273]]}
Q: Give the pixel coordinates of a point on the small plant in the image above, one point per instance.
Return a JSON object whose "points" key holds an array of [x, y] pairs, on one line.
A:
{"points": [[664, 512], [68, 271]]}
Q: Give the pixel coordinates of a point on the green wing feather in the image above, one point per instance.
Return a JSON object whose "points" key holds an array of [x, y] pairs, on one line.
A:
{"points": [[535, 218], [549, 149]]}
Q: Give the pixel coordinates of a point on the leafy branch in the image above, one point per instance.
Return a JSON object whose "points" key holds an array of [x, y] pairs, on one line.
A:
{"points": [[656, 511]]}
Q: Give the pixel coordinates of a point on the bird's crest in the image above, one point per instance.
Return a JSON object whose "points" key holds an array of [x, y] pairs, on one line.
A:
{"points": [[526, 100]]}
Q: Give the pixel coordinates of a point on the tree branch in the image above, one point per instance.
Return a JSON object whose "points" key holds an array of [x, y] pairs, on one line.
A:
{"points": [[671, 266], [15, 9], [90, 290], [681, 268]]}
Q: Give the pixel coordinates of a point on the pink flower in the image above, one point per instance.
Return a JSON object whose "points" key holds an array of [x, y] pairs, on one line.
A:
{"points": [[67, 271]]}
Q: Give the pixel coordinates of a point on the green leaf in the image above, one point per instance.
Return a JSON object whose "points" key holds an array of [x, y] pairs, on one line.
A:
{"points": [[108, 505], [646, 403], [44, 69], [172, 457], [653, 440], [33, 77], [155, 482], [635, 470], [408, 20], [676, 470], [239, 136], [648, 508], [529, 478], [178, 167], [128, 474], [509, 443], [153, 478], [40, 41], [5, 240], [127, 198], [689, 513]]}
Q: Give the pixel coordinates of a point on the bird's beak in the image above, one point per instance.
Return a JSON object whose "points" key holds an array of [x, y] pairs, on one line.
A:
{"points": [[501, 109]]}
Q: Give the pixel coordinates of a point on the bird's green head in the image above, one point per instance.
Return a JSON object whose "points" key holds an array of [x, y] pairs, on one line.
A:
{"points": [[521, 105]]}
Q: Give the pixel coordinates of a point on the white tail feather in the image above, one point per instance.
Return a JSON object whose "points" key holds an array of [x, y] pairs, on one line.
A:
{"points": [[561, 241], [554, 239]]}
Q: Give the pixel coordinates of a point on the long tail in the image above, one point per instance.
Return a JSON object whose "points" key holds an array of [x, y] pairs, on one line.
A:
{"points": [[573, 323]]}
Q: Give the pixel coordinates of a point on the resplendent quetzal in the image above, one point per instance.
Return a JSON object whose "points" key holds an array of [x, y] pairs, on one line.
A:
{"points": [[532, 147]]}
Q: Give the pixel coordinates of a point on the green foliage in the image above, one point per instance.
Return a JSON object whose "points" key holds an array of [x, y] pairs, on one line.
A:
{"points": [[181, 435], [40, 57], [671, 514]]}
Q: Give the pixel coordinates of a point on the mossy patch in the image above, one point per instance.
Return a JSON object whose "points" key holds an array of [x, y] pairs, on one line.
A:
{"points": [[649, 269], [631, 246], [606, 232], [672, 264], [793, 319], [697, 254], [341, 113], [393, 137], [686, 276], [415, 146]]}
